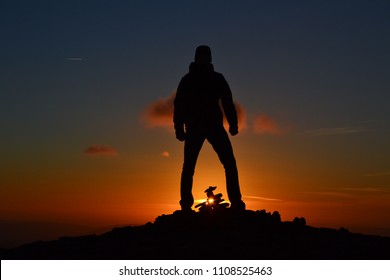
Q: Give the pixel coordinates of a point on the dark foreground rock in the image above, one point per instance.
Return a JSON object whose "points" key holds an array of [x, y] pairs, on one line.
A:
{"points": [[224, 235]]}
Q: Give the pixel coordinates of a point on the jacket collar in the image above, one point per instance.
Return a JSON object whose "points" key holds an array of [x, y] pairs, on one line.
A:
{"points": [[201, 68]]}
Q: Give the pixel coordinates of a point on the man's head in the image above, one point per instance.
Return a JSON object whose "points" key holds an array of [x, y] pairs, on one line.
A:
{"points": [[203, 54]]}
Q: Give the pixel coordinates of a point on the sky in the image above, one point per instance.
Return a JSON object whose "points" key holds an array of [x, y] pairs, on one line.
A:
{"points": [[86, 90]]}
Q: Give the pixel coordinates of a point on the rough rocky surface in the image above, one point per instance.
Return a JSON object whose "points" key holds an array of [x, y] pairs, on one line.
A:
{"points": [[218, 235]]}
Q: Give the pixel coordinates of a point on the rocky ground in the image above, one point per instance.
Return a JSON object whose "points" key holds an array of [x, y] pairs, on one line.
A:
{"points": [[212, 235]]}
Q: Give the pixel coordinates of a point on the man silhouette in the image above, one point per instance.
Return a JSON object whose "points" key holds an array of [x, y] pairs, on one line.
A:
{"points": [[197, 117]]}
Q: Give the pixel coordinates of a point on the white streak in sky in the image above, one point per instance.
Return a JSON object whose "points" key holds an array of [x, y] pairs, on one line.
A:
{"points": [[335, 131], [262, 198], [376, 174], [74, 58]]}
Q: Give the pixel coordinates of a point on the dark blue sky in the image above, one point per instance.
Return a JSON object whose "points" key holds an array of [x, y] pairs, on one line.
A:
{"points": [[328, 53]]}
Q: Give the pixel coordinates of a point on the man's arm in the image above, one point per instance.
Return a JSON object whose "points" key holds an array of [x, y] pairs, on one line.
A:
{"points": [[178, 112], [228, 107]]}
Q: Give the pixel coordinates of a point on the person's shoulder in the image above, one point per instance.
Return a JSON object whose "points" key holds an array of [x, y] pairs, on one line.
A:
{"points": [[186, 77], [219, 76]]}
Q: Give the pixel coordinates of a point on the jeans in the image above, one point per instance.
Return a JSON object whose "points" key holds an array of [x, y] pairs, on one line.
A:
{"points": [[220, 142]]}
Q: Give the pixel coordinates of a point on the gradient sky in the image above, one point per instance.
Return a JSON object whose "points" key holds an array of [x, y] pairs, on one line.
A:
{"points": [[85, 111]]}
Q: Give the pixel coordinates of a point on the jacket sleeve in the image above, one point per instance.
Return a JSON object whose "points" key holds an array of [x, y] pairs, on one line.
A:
{"points": [[179, 107], [228, 104]]}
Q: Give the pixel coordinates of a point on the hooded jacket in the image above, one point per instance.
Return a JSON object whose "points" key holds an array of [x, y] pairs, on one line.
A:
{"points": [[198, 98]]}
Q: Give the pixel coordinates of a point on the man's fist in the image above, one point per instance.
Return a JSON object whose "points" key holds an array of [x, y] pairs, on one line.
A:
{"points": [[233, 130], [180, 134]]}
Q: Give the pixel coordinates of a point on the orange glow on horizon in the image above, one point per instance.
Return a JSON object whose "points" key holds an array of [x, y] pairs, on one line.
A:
{"points": [[118, 191]]}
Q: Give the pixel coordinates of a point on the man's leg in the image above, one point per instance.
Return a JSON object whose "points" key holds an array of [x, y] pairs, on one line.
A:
{"points": [[221, 144], [192, 147]]}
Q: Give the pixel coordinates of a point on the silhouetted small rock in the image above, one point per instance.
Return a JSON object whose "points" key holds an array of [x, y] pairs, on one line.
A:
{"points": [[262, 214], [344, 231], [276, 217], [299, 221]]}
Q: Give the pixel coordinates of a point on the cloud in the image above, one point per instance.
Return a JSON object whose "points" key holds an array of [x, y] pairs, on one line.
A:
{"points": [[265, 124], [335, 131], [376, 174], [74, 59], [368, 189], [100, 150], [165, 154], [251, 197], [331, 196], [160, 113], [248, 198]]}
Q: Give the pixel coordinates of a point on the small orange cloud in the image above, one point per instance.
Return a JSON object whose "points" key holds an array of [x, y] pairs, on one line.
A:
{"points": [[165, 154], [264, 124], [100, 150], [160, 113]]}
